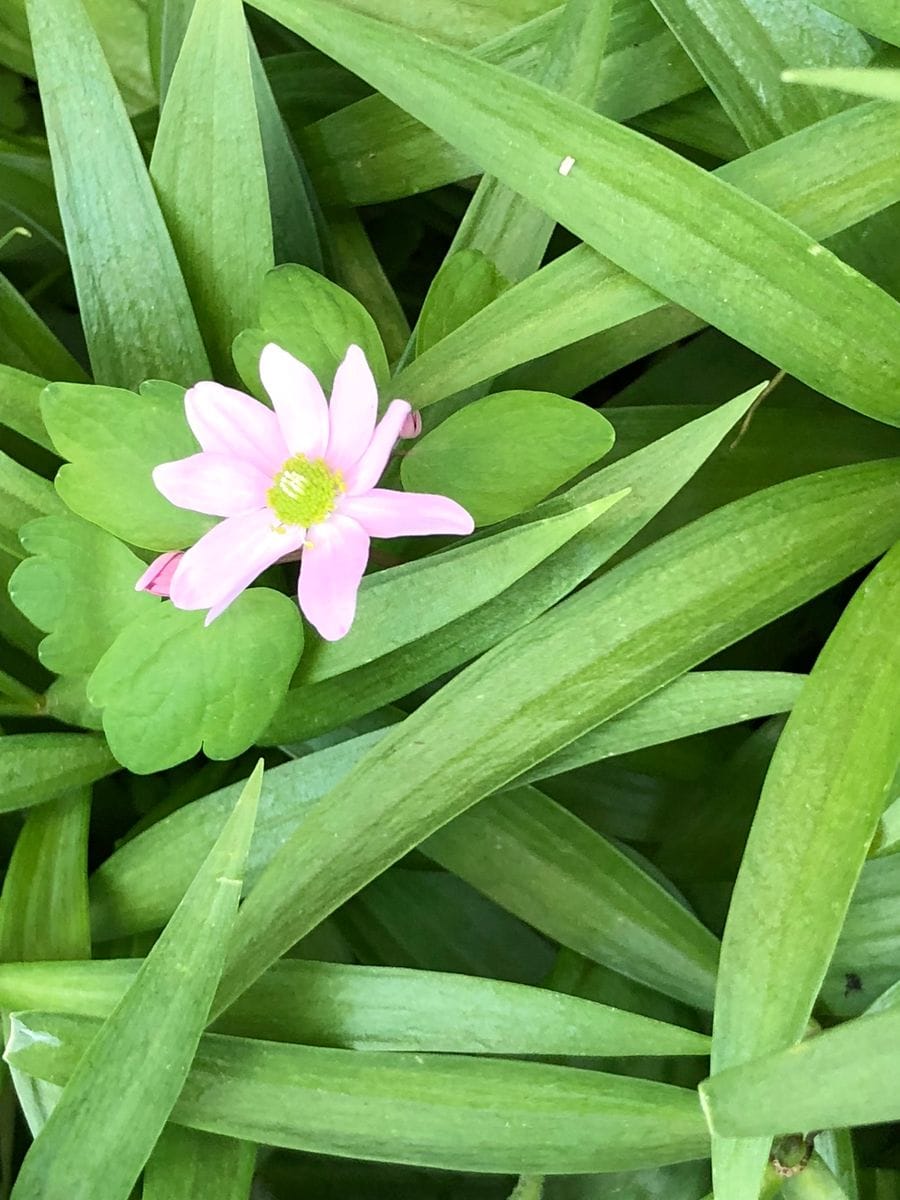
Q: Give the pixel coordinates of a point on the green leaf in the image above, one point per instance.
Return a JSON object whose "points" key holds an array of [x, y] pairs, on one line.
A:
{"points": [[740, 47], [654, 475], [539, 861], [25, 496], [113, 439], [845, 1076], [187, 1164], [821, 802], [295, 236], [27, 343], [122, 1089], [377, 1008], [27, 197], [822, 179], [872, 15], [697, 121], [169, 685], [636, 628], [878, 84], [77, 586], [459, 22], [398, 606], [66, 700], [430, 920], [36, 767], [358, 270], [314, 320], [372, 151], [501, 455], [869, 944], [20, 395], [209, 171], [442, 1111], [466, 283], [139, 885], [168, 22], [125, 269], [44, 912], [19, 405], [698, 701], [513, 233]]}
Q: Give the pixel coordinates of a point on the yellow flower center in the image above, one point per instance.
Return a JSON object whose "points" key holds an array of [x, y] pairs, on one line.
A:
{"points": [[304, 492]]}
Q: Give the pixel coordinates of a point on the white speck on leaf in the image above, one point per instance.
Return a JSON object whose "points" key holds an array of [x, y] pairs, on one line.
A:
{"points": [[566, 165]]}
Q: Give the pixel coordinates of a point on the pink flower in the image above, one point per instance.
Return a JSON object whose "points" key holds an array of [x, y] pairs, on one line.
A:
{"points": [[158, 577], [301, 478]]}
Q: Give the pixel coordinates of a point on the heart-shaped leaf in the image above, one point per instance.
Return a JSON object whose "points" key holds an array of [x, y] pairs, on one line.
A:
{"points": [[77, 586], [113, 439], [466, 283], [313, 319], [500, 455], [170, 685]]}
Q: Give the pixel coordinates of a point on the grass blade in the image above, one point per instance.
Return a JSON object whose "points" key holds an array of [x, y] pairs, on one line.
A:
{"points": [[376, 1008], [824, 179], [849, 1075], [189, 1165], [537, 860], [121, 1092], [209, 170], [122, 260], [638, 627], [35, 767], [740, 47], [641, 204], [821, 802], [454, 1112]]}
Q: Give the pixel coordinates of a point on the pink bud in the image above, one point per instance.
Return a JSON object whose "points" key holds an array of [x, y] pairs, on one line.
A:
{"points": [[412, 426], [158, 577]]}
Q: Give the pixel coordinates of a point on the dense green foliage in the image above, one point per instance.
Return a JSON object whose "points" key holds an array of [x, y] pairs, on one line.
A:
{"points": [[573, 870]]}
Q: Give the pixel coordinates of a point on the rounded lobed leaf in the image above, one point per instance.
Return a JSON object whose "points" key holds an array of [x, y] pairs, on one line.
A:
{"points": [[500, 455]]}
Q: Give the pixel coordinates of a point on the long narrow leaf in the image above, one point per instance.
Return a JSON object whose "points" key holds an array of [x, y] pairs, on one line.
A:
{"points": [[209, 171], [653, 475], [846, 1076], [122, 1090], [138, 887], [376, 1008], [740, 47], [137, 316], [822, 799], [638, 627], [542, 863], [704, 245], [824, 179], [451, 1112]]}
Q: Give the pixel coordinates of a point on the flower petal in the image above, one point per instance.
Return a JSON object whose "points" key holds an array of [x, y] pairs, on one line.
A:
{"points": [[412, 426], [298, 400], [228, 558], [371, 466], [158, 576], [353, 409], [332, 565], [218, 484], [384, 513], [225, 421]]}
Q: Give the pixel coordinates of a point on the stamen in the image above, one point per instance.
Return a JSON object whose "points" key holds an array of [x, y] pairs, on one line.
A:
{"points": [[304, 492]]}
